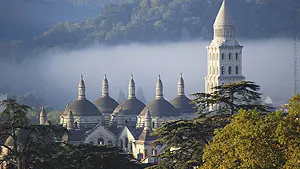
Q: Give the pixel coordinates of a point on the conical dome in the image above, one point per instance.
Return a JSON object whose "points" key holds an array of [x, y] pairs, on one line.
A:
{"points": [[160, 107], [105, 103], [181, 102], [82, 106], [131, 106]]}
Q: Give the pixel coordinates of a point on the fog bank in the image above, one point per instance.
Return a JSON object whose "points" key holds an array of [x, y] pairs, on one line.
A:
{"points": [[55, 75]]}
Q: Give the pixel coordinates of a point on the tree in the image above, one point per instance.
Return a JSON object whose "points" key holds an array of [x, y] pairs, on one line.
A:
{"points": [[24, 142], [230, 98], [255, 140], [184, 140], [44, 146], [87, 156]]}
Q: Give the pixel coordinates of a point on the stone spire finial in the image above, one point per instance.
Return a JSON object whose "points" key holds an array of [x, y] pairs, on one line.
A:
{"points": [[43, 116], [223, 26], [223, 17], [180, 85], [81, 89], [148, 120], [105, 88], [131, 88], [159, 89], [70, 120]]}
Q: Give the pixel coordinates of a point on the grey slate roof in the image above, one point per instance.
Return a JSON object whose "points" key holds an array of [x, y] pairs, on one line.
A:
{"points": [[84, 108], [183, 104], [146, 136], [132, 106], [160, 108], [106, 104], [136, 132]]}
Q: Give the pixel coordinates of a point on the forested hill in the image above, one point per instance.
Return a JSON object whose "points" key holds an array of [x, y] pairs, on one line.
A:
{"points": [[157, 20], [171, 20]]}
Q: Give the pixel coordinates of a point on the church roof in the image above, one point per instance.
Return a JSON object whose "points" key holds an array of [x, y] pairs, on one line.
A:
{"points": [[84, 108], [132, 106], [223, 17], [183, 104], [106, 104], [160, 108], [146, 136]]}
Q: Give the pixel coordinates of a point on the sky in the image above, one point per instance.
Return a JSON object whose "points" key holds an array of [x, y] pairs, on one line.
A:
{"points": [[55, 74]]}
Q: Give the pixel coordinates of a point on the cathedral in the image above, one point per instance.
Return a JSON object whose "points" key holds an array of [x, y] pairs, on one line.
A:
{"points": [[129, 124]]}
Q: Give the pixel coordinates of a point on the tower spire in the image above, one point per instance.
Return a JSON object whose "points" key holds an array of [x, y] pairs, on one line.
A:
{"points": [[159, 89], [180, 85], [81, 89], [105, 88], [131, 88], [223, 26], [43, 116], [147, 120]]}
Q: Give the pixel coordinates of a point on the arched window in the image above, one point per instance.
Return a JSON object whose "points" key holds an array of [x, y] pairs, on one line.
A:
{"points": [[109, 142], [236, 56], [145, 153], [100, 141], [229, 70], [236, 70], [229, 57], [223, 70], [153, 124], [223, 56], [126, 142]]}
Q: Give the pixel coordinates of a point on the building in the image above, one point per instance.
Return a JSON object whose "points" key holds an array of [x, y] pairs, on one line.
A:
{"points": [[224, 54], [129, 124]]}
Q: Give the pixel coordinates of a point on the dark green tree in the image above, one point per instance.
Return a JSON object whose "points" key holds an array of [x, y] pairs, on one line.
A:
{"points": [[231, 97], [184, 140], [23, 142], [87, 156]]}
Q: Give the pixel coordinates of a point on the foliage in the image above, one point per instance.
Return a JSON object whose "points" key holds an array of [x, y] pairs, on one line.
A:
{"points": [[155, 20], [184, 140], [23, 141], [44, 146], [230, 98], [255, 140], [88, 156], [53, 116]]}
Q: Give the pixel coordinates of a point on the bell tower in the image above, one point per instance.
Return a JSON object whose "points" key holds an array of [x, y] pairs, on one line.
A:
{"points": [[224, 54]]}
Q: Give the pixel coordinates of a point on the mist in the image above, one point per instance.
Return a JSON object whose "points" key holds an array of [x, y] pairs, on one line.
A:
{"points": [[55, 74]]}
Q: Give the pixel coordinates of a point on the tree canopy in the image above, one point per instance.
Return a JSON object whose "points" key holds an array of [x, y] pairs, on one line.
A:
{"points": [[26, 146], [253, 140], [230, 98]]}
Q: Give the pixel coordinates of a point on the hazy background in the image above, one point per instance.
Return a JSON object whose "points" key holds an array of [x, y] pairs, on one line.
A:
{"points": [[55, 75]]}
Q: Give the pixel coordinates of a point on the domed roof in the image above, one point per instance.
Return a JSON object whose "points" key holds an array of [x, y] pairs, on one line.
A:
{"points": [[183, 104], [132, 106], [84, 108], [160, 108], [106, 104]]}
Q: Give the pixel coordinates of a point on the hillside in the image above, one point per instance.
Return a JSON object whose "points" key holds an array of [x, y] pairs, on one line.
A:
{"points": [[157, 20], [149, 21]]}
